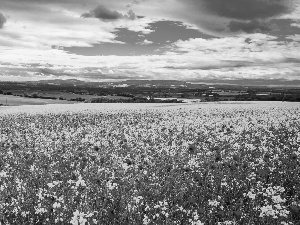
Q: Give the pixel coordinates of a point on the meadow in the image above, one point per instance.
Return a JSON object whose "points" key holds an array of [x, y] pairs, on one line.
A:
{"points": [[150, 164], [16, 101]]}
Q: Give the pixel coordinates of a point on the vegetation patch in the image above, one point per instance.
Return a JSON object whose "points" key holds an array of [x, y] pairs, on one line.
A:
{"points": [[212, 165]]}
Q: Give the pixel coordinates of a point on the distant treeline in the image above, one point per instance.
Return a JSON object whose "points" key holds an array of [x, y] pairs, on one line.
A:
{"points": [[134, 100]]}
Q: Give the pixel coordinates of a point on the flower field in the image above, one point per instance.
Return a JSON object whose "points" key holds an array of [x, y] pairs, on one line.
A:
{"points": [[153, 164]]}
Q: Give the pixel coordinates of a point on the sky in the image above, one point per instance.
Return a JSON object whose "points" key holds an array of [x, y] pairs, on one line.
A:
{"points": [[190, 40]]}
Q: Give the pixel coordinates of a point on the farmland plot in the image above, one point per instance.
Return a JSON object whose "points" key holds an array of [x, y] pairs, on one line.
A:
{"points": [[147, 164]]}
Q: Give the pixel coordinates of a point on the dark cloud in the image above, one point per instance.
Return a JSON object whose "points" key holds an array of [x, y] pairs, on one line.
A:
{"points": [[247, 9], [2, 20], [219, 17], [249, 27], [103, 13]]}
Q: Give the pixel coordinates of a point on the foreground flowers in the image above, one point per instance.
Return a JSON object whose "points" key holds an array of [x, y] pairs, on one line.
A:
{"points": [[224, 164]]}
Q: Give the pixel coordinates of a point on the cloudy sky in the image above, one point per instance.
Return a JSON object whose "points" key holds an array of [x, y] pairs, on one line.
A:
{"points": [[190, 40]]}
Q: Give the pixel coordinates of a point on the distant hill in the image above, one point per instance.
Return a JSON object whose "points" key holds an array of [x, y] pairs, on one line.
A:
{"points": [[127, 82], [176, 83]]}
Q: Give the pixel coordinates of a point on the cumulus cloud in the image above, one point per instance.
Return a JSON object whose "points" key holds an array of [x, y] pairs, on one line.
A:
{"points": [[147, 42], [103, 13], [2, 20]]}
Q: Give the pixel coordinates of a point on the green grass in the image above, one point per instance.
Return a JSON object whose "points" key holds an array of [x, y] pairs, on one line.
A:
{"points": [[11, 100]]}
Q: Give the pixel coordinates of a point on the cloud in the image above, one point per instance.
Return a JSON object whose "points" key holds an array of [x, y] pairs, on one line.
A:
{"points": [[248, 56], [214, 17], [2, 20], [249, 27], [147, 42], [247, 9], [106, 14]]}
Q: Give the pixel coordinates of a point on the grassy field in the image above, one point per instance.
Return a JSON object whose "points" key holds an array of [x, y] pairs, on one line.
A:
{"points": [[150, 164], [16, 100], [65, 95]]}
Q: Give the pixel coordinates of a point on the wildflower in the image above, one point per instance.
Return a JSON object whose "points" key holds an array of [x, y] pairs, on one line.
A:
{"points": [[198, 222], [39, 209], [213, 203], [80, 182], [24, 214], [56, 205], [53, 184], [277, 199], [3, 174], [251, 195], [146, 220], [78, 218], [138, 199], [110, 185]]}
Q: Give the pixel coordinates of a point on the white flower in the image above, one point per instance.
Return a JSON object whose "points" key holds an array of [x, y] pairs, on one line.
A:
{"points": [[251, 195], [227, 222], [78, 218], [146, 220], [267, 211], [80, 182], [277, 199], [195, 216], [213, 203], [56, 205], [53, 184], [110, 185], [138, 199], [198, 222], [40, 210], [3, 174]]}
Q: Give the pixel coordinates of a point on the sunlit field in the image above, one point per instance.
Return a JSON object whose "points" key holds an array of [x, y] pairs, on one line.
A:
{"points": [[16, 100], [150, 164]]}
